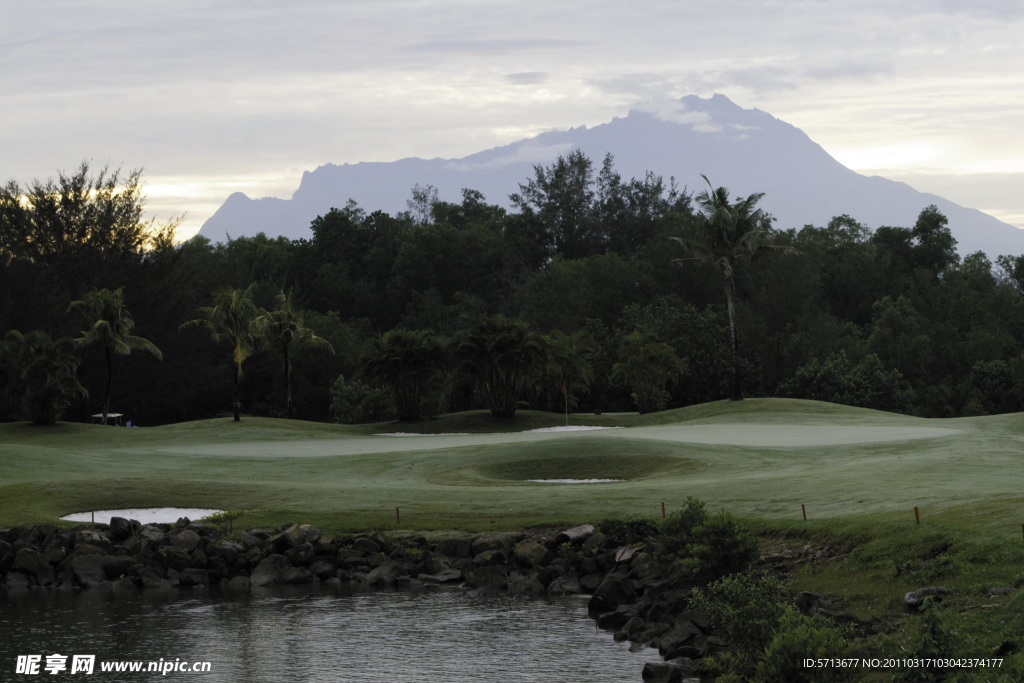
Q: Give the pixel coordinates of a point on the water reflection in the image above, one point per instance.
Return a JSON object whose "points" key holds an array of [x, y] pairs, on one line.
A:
{"points": [[281, 635]]}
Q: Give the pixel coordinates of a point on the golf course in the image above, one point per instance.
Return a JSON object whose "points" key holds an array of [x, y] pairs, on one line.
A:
{"points": [[759, 458], [893, 503]]}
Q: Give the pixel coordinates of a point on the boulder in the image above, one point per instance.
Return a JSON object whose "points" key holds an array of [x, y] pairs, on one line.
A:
{"points": [[613, 591], [239, 583], [186, 539], [151, 578], [577, 534], [366, 546], [310, 534], [384, 576], [289, 537], [89, 570], [492, 576], [519, 584], [455, 547], [34, 564], [565, 585], [444, 576], [661, 672], [530, 553], [293, 576], [267, 572], [194, 577]]}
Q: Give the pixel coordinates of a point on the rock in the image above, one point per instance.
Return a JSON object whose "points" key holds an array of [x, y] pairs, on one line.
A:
{"points": [[492, 576], [301, 555], [672, 642], [366, 546], [590, 582], [811, 604], [34, 564], [455, 547], [239, 583], [89, 570], [322, 568], [661, 672], [151, 578], [290, 536], [613, 591], [565, 585], [519, 584], [530, 553], [194, 577], [915, 599], [124, 585], [268, 570], [577, 534], [310, 534], [186, 539], [16, 581], [384, 576], [293, 576], [120, 528], [444, 576], [153, 534]]}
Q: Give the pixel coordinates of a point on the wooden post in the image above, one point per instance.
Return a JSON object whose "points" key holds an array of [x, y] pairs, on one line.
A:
{"points": [[663, 510], [917, 516], [398, 516], [803, 510]]}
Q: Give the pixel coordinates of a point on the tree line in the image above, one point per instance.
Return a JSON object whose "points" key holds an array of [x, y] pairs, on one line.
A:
{"points": [[593, 293]]}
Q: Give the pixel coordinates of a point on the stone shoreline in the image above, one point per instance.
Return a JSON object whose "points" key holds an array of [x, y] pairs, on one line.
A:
{"points": [[631, 587]]}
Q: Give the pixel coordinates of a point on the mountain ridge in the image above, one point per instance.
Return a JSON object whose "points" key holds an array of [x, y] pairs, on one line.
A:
{"points": [[744, 150]]}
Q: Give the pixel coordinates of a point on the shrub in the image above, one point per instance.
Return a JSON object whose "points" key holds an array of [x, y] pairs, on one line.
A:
{"points": [[355, 402], [796, 638], [709, 546]]}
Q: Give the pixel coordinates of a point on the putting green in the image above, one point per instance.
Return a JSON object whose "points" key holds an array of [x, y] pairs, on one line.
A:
{"points": [[763, 457]]}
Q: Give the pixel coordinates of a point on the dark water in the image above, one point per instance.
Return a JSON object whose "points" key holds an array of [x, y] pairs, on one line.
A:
{"points": [[309, 635]]}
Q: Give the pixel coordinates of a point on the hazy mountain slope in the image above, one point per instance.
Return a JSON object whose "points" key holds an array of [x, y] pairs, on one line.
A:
{"points": [[745, 150]]}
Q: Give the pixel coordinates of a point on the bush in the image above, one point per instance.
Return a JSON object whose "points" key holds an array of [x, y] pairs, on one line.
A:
{"points": [[628, 531], [709, 546], [355, 402], [796, 638]]}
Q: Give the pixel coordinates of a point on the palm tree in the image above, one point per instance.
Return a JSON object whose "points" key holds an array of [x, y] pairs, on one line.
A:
{"points": [[729, 233], [285, 326], [647, 366], [571, 354], [109, 323], [501, 357], [407, 361], [40, 372], [232, 318]]}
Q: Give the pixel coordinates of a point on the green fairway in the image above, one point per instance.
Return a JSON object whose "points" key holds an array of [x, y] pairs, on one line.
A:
{"points": [[760, 458]]}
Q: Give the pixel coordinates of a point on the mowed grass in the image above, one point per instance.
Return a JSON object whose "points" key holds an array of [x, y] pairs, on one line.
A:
{"points": [[760, 458], [858, 473]]}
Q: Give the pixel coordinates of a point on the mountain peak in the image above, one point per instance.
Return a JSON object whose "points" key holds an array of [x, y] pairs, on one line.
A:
{"points": [[745, 150]]}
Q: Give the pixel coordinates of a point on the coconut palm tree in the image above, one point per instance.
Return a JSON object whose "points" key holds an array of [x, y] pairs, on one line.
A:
{"points": [[729, 233], [109, 324], [283, 327], [571, 355], [40, 373], [407, 361], [232, 318]]}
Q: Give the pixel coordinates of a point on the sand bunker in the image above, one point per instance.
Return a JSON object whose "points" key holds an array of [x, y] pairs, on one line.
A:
{"points": [[573, 481], [143, 515], [790, 436], [567, 428]]}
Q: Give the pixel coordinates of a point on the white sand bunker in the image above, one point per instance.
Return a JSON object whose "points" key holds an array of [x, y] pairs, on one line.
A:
{"points": [[417, 434], [143, 515], [573, 481], [567, 428], [792, 436]]}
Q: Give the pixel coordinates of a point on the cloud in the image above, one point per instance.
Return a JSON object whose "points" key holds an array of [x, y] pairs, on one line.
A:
{"points": [[527, 78], [526, 153]]}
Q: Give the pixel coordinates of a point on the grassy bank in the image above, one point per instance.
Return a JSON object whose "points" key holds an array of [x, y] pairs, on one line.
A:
{"points": [[859, 474]]}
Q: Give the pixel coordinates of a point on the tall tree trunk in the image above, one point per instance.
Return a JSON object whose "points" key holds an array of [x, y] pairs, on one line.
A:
{"points": [[730, 295], [238, 371], [110, 383], [288, 382]]}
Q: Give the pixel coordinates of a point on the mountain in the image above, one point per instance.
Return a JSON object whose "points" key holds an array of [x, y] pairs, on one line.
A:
{"points": [[745, 150]]}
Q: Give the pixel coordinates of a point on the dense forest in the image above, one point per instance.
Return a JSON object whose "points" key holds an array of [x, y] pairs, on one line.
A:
{"points": [[594, 291]]}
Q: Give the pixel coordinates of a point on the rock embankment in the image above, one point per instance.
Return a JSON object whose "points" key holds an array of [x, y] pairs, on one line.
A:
{"points": [[632, 588]]}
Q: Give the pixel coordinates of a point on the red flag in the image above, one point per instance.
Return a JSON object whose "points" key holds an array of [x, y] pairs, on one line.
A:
{"points": [[563, 386]]}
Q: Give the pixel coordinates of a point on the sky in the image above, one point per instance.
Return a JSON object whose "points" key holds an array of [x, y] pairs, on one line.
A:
{"points": [[215, 97]]}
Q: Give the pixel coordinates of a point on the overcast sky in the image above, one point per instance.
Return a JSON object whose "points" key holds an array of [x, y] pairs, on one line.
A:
{"points": [[216, 97]]}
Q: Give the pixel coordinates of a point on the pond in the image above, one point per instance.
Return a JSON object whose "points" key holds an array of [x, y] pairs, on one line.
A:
{"points": [[312, 635]]}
